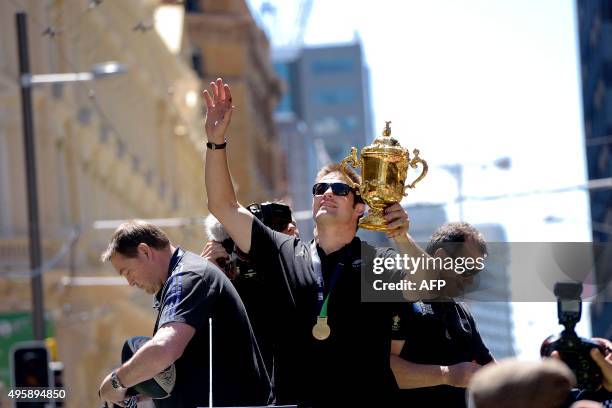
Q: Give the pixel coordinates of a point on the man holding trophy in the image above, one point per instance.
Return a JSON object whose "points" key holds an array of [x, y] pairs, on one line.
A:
{"points": [[331, 348]]}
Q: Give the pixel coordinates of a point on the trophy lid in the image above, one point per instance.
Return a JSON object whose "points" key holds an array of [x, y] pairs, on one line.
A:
{"points": [[385, 142]]}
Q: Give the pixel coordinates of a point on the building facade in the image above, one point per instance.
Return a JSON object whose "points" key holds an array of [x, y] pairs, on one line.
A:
{"points": [[224, 41], [595, 40], [129, 146], [335, 102]]}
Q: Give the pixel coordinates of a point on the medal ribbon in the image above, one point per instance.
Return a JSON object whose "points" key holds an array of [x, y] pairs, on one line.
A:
{"points": [[318, 270]]}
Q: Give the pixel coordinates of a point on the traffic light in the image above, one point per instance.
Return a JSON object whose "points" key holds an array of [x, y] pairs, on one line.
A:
{"points": [[30, 368], [30, 365]]}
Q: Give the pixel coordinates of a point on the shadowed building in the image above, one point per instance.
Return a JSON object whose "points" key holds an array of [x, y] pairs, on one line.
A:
{"points": [[595, 40]]}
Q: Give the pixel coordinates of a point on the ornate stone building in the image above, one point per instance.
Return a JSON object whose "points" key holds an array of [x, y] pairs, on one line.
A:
{"points": [[129, 146], [226, 41]]}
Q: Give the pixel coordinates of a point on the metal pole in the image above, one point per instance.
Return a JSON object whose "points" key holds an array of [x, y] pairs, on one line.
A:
{"points": [[38, 322], [460, 189]]}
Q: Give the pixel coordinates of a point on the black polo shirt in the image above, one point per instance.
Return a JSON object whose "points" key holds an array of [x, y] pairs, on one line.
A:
{"points": [[195, 291], [351, 367], [254, 294], [437, 333]]}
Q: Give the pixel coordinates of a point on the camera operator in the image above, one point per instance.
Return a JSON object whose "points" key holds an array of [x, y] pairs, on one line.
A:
{"points": [[220, 249], [589, 359], [604, 361], [544, 384]]}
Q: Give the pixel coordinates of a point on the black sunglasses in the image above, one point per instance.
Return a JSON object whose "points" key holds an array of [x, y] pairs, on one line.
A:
{"points": [[339, 189], [468, 273]]}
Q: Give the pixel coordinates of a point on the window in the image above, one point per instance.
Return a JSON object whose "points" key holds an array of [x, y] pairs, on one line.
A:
{"points": [[336, 66], [148, 176], [197, 62], [599, 95], [286, 72], [607, 73], [104, 134], [193, 6], [349, 123], [331, 125], [57, 90], [603, 161], [84, 115], [606, 11], [120, 148], [135, 163], [338, 96]]}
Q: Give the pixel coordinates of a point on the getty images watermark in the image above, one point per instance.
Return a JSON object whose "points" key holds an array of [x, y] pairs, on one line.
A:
{"points": [[510, 272], [459, 266]]}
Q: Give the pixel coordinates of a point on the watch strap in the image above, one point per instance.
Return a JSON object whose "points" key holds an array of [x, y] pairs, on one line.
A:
{"points": [[115, 381], [216, 146]]}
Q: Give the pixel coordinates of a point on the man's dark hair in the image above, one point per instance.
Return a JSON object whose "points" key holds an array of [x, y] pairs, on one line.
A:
{"points": [[130, 234], [452, 233], [336, 168]]}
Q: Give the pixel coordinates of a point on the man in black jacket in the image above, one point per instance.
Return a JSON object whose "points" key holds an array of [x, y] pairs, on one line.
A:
{"points": [[188, 291]]}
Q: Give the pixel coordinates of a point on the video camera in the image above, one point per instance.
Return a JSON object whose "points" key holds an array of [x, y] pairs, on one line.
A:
{"points": [[274, 215], [573, 350]]}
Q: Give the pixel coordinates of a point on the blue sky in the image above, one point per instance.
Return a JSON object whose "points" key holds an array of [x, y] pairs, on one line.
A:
{"points": [[468, 82]]}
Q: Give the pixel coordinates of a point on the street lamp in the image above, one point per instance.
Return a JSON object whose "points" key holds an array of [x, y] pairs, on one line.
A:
{"points": [[97, 71], [456, 170], [27, 81]]}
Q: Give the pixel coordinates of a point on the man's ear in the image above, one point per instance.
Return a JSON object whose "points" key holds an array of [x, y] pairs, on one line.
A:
{"points": [[440, 253], [144, 250], [360, 209]]}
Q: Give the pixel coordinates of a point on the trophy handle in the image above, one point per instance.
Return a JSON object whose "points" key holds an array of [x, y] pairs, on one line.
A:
{"points": [[413, 163], [353, 161]]}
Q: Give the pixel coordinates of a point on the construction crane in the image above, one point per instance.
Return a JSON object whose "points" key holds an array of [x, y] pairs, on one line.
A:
{"points": [[269, 12]]}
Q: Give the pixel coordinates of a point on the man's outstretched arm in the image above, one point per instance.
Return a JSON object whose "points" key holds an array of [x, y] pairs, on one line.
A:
{"points": [[222, 202], [397, 217]]}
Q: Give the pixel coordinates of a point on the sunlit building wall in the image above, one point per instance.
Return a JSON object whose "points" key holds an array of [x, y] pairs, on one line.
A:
{"points": [[129, 146], [223, 40]]}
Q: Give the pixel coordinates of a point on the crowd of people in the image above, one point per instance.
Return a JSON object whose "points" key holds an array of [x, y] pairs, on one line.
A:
{"points": [[290, 326]]}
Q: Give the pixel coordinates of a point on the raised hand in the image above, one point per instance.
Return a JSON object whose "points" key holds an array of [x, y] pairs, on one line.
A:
{"points": [[219, 111], [214, 251]]}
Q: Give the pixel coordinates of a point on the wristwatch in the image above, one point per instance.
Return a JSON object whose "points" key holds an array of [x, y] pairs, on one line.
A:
{"points": [[115, 381], [216, 146]]}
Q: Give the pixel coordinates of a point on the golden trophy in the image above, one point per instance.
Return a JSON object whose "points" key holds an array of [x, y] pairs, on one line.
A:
{"points": [[384, 167]]}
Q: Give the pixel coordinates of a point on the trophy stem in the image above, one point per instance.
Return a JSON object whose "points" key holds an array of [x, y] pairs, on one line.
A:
{"points": [[374, 221]]}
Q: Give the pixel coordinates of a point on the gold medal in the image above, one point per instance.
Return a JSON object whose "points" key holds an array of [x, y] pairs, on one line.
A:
{"points": [[321, 330]]}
